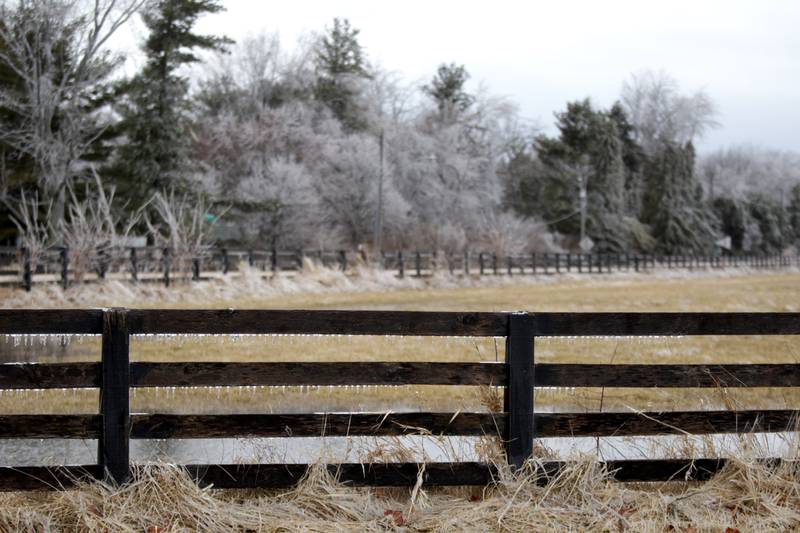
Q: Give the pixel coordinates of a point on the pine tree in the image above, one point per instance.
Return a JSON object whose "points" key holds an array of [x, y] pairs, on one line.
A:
{"points": [[447, 88], [340, 64], [794, 213], [734, 221], [156, 114], [672, 203], [633, 158], [589, 149], [772, 227]]}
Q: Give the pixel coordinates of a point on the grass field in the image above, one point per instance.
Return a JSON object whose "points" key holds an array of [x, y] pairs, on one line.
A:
{"points": [[745, 497], [776, 292]]}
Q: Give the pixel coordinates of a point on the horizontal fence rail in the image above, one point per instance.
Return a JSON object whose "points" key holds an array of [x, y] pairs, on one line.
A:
{"points": [[164, 265], [517, 425], [239, 476]]}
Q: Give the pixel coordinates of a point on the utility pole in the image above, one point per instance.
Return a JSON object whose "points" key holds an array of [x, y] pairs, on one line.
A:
{"points": [[376, 239], [582, 200]]}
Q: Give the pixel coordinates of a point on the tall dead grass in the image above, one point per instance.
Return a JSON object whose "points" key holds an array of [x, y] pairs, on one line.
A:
{"points": [[746, 495]]}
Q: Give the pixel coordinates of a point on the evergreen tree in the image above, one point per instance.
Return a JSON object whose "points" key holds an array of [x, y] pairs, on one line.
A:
{"points": [[672, 203], [632, 157], [156, 113], [734, 221], [340, 64], [447, 88], [794, 213], [522, 186], [772, 231], [589, 150]]}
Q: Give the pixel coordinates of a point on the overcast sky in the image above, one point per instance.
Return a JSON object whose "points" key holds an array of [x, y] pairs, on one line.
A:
{"points": [[543, 53]]}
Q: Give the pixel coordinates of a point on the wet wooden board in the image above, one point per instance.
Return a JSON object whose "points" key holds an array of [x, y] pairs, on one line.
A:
{"points": [[315, 374], [655, 375], [160, 426]]}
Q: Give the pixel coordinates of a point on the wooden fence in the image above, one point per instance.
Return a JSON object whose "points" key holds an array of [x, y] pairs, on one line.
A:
{"points": [[518, 425], [165, 266]]}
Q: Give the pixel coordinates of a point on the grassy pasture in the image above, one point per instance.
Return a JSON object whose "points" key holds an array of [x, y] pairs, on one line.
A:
{"points": [[772, 292]]}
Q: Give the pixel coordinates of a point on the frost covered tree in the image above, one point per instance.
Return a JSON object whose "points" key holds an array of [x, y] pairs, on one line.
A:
{"points": [[661, 114], [156, 111], [341, 65], [55, 81], [737, 170], [760, 184], [348, 186], [259, 136]]}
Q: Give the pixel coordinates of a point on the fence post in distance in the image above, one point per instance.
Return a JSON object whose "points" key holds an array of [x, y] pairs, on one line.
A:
{"points": [[64, 267], [27, 273]]}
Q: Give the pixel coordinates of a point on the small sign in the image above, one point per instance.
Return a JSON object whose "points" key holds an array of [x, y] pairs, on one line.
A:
{"points": [[724, 243], [586, 244]]}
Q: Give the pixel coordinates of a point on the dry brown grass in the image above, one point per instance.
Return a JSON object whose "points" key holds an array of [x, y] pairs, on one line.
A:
{"points": [[745, 496]]}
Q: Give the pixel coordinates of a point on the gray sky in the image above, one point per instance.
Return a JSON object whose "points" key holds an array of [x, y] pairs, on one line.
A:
{"points": [[745, 54]]}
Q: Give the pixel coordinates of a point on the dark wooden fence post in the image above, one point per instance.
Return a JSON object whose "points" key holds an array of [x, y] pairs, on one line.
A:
{"points": [[558, 263], [273, 260], [569, 262], [519, 389], [64, 267], [134, 265], [226, 264], [466, 262], [494, 263], [343, 260], [113, 444], [167, 264], [196, 269], [102, 262], [480, 262], [533, 263], [418, 263], [27, 273], [401, 264]]}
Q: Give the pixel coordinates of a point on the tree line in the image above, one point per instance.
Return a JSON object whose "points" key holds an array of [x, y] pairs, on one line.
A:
{"points": [[314, 145]]}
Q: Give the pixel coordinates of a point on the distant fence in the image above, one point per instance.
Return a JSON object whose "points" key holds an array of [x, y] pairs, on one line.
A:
{"points": [[517, 425], [163, 265]]}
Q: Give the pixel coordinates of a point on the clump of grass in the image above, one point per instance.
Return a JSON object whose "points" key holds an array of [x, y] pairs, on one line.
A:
{"points": [[747, 495]]}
